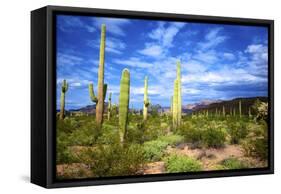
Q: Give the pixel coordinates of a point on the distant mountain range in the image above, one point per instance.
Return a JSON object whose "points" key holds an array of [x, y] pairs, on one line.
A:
{"points": [[210, 105], [229, 105]]}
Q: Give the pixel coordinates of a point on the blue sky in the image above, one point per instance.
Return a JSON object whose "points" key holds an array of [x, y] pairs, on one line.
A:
{"points": [[218, 61]]}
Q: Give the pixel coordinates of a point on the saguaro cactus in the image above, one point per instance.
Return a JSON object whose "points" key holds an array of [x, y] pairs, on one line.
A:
{"points": [[175, 104], [240, 109], [177, 100], [99, 100], [223, 111], [234, 111], [109, 107], [250, 114], [179, 92], [124, 103], [145, 100], [64, 89]]}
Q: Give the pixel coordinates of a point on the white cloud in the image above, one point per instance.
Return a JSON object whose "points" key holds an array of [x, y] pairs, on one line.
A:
{"points": [[71, 22], [113, 25], [133, 62], [152, 50], [229, 56], [163, 37], [68, 59], [208, 57], [212, 39], [223, 76]]}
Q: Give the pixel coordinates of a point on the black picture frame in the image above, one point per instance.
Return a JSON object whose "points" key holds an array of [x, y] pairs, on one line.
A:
{"points": [[43, 95]]}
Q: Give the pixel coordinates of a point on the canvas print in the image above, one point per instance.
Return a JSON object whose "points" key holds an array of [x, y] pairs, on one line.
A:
{"points": [[137, 97]]}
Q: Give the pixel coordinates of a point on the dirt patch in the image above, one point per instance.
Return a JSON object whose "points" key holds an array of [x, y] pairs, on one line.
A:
{"points": [[211, 157], [77, 170], [154, 168]]}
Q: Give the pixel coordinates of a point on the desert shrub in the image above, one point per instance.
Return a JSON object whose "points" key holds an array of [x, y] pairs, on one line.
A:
{"points": [[152, 132], [154, 150], [63, 153], [233, 163], [67, 125], [191, 133], [256, 143], [84, 136], [135, 134], [115, 160], [237, 131], [214, 135], [261, 110], [172, 139], [109, 135], [178, 163]]}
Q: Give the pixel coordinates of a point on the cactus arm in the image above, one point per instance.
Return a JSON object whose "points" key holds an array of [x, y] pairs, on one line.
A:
{"points": [[124, 104], [92, 93]]}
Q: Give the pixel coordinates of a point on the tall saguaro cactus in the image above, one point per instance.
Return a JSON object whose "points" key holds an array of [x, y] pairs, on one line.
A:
{"points": [[145, 99], [177, 100], [179, 92], [240, 109], [99, 99], [223, 111], [109, 106], [175, 104], [64, 89], [124, 104]]}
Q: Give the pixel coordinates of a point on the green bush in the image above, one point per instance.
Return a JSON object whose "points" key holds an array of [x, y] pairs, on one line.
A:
{"points": [[172, 139], [178, 163], [233, 163], [63, 154], [214, 135], [256, 143], [154, 150], [237, 131], [115, 160], [191, 133]]}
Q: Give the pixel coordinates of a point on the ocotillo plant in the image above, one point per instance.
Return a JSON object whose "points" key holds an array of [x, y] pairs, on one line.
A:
{"points": [[124, 104], [64, 89], [109, 106], [145, 100], [99, 100], [179, 92], [175, 104], [223, 111], [240, 108]]}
